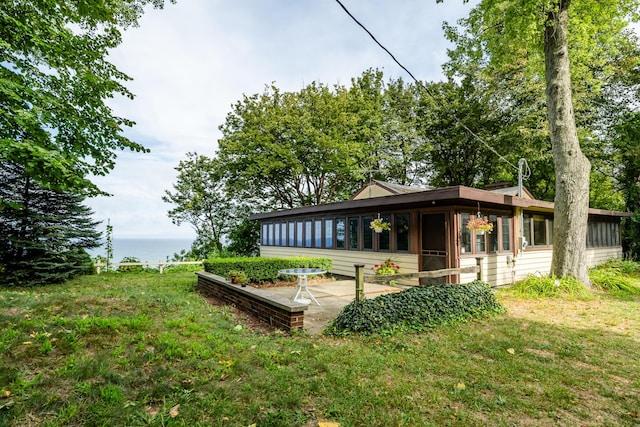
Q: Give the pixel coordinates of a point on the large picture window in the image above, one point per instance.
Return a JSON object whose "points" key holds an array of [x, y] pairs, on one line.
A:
{"points": [[317, 233], [367, 233]]}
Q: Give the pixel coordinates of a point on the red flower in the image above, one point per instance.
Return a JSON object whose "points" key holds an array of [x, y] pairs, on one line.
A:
{"points": [[375, 265]]}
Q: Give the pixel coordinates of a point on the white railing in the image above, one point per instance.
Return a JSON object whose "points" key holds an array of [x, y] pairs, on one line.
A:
{"points": [[160, 264]]}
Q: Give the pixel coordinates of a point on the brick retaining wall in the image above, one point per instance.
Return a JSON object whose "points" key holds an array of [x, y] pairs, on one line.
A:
{"points": [[275, 310]]}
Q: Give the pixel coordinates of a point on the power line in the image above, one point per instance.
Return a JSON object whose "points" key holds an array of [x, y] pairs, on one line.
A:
{"points": [[424, 88]]}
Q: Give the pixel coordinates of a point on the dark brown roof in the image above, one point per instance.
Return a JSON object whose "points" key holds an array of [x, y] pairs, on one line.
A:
{"points": [[457, 195]]}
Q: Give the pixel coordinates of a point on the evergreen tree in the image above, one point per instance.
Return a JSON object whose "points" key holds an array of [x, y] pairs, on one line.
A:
{"points": [[43, 233]]}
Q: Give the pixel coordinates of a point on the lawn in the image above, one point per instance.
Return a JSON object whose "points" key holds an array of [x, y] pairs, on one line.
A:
{"points": [[146, 349]]}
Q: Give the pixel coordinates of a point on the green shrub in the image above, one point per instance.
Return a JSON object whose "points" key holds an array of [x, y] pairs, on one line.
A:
{"points": [[617, 277], [550, 287], [260, 269], [416, 309], [130, 268]]}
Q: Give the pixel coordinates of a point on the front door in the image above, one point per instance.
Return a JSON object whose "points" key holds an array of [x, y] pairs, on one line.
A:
{"points": [[434, 246]]}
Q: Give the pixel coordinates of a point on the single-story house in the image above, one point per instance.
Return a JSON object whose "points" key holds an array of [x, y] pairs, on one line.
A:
{"points": [[429, 231]]}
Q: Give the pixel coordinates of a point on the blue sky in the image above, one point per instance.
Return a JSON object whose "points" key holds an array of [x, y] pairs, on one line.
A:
{"points": [[191, 61]]}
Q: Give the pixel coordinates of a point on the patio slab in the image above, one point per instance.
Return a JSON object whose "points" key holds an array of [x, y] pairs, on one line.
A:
{"points": [[332, 296]]}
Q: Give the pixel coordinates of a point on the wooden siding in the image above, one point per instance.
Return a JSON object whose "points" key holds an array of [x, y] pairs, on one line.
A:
{"points": [[597, 256], [495, 269], [344, 261]]}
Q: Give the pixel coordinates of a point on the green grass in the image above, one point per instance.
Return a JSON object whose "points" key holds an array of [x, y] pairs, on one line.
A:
{"points": [[127, 349]]}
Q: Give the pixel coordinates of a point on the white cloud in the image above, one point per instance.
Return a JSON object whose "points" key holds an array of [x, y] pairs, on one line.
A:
{"points": [[191, 61]]}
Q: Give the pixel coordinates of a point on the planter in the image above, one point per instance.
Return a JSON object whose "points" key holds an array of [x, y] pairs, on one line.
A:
{"points": [[377, 229], [480, 232]]}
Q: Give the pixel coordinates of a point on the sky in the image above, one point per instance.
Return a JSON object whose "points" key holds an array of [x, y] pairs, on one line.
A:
{"points": [[191, 61]]}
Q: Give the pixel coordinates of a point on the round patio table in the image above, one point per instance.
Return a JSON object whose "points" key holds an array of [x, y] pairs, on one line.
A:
{"points": [[303, 285]]}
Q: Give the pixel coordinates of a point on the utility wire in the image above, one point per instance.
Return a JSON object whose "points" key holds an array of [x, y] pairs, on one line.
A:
{"points": [[424, 88]]}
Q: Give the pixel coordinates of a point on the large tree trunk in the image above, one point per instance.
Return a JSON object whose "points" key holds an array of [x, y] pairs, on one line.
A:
{"points": [[571, 166]]}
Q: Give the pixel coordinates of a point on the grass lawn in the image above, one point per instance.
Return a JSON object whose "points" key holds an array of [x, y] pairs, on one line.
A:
{"points": [[145, 349]]}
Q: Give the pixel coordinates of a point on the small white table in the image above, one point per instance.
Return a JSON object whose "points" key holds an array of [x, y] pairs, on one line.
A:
{"points": [[303, 286]]}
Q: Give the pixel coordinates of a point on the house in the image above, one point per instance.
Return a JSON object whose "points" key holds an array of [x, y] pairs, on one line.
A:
{"points": [[429, 232]]}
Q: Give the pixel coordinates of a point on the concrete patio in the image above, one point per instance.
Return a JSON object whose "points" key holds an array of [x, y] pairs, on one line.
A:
{"points": [[332, 296]]}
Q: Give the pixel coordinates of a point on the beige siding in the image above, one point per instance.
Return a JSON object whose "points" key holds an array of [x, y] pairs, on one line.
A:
{"points": [[495, 269], [343, 261], [533, 262], [597, 256]]}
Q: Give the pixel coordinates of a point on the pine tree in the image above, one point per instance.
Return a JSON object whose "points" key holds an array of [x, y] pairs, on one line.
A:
{"points": [[43, 233]]}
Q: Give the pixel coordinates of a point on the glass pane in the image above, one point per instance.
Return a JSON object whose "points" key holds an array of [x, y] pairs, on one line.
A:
{"points": [[384, 238], [539, 231], [307, 234], [465, 234], [299, 234], [367, 233], [402, 232], [527, 229], [276, 235], [341, 228], [481, 242], [264, 234], [317, 236], [270, 234], [550, 232], [353, 233], [283, 234], [292, 234], [328, 233], [494, 235], [506, 233]]}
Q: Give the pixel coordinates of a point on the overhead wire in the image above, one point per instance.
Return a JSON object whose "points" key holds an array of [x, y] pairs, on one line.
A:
{"points": [[424, 88]]}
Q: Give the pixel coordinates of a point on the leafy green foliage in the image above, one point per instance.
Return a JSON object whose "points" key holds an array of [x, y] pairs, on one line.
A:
{"points": [[130, 268], [43, 233], [621, 278], [550, 287], [416, 309], [261, 269], [245, 236], [54, 83]]}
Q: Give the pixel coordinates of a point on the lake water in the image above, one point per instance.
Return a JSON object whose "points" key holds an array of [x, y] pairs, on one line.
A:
{"points": [[144, 249]]}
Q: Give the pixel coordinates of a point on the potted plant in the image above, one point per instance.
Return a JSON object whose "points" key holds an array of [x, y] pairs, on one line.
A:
{"points": [[480, 225], [378, 225], [386, 268], [238, 277]]}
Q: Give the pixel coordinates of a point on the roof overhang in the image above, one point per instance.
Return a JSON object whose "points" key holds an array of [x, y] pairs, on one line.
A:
{"points": [[456, 195]]}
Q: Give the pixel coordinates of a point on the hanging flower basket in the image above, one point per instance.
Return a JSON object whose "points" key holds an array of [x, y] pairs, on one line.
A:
{"points": [[378, 225], [480, 225]]}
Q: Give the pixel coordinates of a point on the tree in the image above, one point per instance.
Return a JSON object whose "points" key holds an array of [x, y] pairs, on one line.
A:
{"points": [[454, 156], [54, 80], [201, 201], [43, 233], [535, 36]]}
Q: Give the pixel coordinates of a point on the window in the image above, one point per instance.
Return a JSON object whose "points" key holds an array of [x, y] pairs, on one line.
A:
{"points": [[270, 241], [494, 236], [341, 228], [307, 234], [353, 233], [465, 233], [367, 233], [264, 234], [384, 238], [317, 236], [276, 234], [402, 232], [538, 230], [292, 234], [283, 234], [499, 240], [328, 233], [299, 234], [506, 233], [602, 234]]}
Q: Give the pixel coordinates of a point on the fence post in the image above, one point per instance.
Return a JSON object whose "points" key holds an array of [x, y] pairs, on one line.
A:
{"points": [[359, 282], [160, 266], [479, 264]]}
